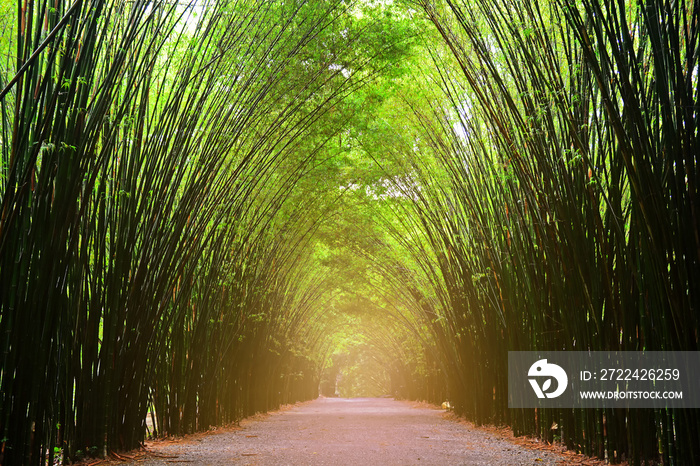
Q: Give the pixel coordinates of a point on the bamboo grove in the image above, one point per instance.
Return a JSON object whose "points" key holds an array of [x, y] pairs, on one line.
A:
{"points": [[200, 200], [549, 202], [147, 148]]}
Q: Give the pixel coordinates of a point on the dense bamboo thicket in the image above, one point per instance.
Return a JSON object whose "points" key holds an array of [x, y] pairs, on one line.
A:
{"points": [[212, 208], [552, 168], [148, 148]]}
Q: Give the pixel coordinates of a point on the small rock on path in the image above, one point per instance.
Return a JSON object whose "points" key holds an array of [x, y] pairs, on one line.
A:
{"points": [[358, 431]]}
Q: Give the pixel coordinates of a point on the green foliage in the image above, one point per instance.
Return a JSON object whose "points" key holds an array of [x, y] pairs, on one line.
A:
{"points": [[544, 215], [207, 210]]}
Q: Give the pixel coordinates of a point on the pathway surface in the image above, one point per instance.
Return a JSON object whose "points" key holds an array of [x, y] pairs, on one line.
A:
{"points": [[360, 431]]}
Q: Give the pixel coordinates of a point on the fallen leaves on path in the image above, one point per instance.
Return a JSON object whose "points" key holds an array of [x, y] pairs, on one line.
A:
{"points": [[531, 443]]}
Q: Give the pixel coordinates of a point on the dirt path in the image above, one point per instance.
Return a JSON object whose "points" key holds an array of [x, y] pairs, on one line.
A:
{"points": [[362, 431]]}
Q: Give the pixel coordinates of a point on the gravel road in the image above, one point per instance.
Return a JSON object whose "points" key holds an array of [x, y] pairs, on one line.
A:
{"points": [[359, 431]]}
